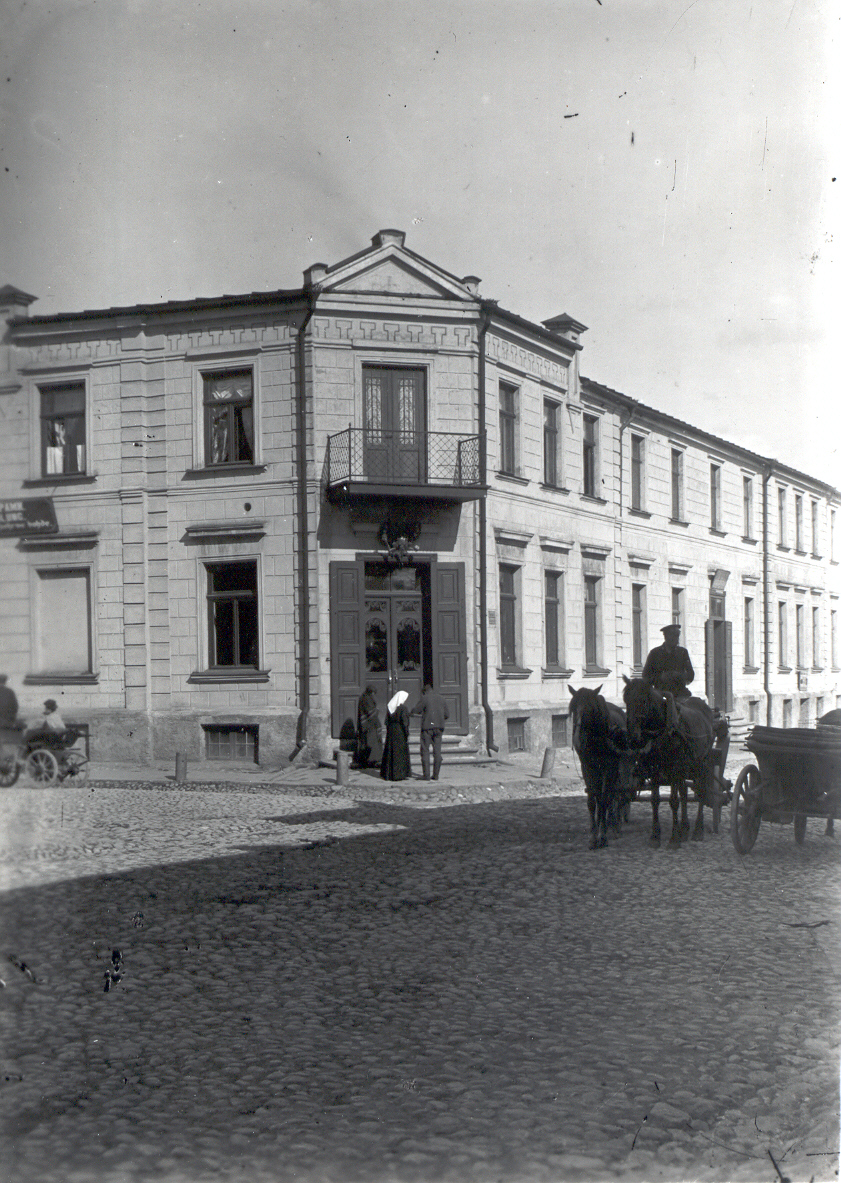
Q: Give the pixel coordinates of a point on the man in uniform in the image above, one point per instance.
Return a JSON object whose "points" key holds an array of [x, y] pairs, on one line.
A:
{"points": [[667, 667]]}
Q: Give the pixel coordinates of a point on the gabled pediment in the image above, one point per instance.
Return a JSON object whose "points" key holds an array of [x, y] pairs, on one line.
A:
{"points": [[387, 268], [394, 278]]}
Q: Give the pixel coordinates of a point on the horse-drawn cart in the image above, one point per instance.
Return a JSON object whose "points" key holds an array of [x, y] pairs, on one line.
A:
{"points": [[46, 759], [799, 776]]}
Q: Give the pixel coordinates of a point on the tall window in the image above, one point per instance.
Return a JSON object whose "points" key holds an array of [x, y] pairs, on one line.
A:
{"points": [[782, 633], [63, 429], [677, 606], [551, 443], [64, 622], [781, 517], [833, 638], [232, 614], [747, 506], [816, 637], [508, 614], [715, 496], [590, 454], [800, 638], [554, 614], [638, 627], [798, 522], [591, 622], [749, 649], [637, 473], [832, 535], [815, 530], [677, 485], [508, 428], [229, 417]]}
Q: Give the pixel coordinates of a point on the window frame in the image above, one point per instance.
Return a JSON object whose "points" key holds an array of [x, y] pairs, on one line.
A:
{"points": [[816, 638], [208, 365], [715, 495], [592, 624], [816, 529], [510, 642], [782, 635], [63, 677], [678, 610], [45, 384], [638, 472], [509, 429], [676, 485], [590, 455], [639, 625], [748, 625], [800, 635], [553, 469], [782, 513], [747, 508], [799, 541], [554, 611]]}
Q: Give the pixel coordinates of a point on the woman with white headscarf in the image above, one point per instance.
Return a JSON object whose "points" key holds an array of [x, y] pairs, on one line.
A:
{"points": [[396, 764]]}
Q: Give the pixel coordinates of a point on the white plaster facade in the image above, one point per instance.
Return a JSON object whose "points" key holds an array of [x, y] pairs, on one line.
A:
{"points": [[147, 524]]}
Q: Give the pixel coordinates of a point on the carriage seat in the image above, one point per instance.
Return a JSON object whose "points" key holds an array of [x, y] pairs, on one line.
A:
{"points": [[55, 741]]}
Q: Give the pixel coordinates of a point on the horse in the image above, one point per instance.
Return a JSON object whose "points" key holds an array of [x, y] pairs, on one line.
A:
{"points": [[674, 743], [599, 738]]}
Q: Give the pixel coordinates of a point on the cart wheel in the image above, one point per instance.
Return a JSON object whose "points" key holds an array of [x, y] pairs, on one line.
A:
{"points": [[42, 767], [9, 770], [74, 768], [746, 811], [799, 828]]}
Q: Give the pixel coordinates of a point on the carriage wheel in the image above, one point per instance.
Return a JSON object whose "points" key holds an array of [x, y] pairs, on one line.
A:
{"points": [[74, 768], [799, 828], [746, 811], [42, 767], [9, 770]]}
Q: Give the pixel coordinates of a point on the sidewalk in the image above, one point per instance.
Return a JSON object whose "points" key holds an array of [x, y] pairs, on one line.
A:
{"points": [[516, 775]]}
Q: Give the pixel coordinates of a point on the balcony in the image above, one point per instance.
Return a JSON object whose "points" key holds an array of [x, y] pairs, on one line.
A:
{"points": [[418, 465]]}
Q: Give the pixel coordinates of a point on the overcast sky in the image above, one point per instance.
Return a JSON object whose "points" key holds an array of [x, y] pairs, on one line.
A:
{"points": [[662, 170]]}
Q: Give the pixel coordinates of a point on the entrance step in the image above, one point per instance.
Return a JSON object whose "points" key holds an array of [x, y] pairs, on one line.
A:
{"points": [[456, 750], [739, 728]]}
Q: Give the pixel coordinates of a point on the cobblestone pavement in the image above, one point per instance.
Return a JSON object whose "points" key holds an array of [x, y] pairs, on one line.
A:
{"points": [[364, 985]]}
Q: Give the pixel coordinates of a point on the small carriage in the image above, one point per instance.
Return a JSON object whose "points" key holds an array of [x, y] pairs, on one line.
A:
{"points": [[798, 777], [45, 759]]}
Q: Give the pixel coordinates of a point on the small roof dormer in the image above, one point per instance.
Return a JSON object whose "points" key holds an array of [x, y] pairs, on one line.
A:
{"points": [[565, 326], [14, 302]]}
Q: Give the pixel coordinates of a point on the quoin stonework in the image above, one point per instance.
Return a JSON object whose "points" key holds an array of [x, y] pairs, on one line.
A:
{"points": [[224, 517]]}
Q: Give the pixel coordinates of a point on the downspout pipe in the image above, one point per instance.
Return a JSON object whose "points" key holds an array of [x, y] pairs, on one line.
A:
{"points": [[301, 494], [766, 599], [484, 324]]}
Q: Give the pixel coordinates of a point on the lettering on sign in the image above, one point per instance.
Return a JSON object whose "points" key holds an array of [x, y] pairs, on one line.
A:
{"points": [[27, 515]]}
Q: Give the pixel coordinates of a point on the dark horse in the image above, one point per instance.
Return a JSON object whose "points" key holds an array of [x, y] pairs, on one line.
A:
{"points": [[674, 743], [599, 737]]}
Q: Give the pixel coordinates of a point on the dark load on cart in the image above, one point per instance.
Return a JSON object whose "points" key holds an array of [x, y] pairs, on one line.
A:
{"points": [[798, 777], [45, 759]]}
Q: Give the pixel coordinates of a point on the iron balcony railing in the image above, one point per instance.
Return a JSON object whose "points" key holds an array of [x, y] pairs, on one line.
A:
{"points": [[373, 456]]}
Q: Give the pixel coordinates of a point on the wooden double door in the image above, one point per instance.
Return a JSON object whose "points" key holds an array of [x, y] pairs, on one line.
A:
{"points": [[395, 628]]}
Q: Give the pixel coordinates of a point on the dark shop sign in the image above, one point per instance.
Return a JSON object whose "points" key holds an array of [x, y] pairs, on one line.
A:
{"points": [[28, 515]]}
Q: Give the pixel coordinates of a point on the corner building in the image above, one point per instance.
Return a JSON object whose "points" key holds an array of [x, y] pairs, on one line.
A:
{"points": [[222, 518]]}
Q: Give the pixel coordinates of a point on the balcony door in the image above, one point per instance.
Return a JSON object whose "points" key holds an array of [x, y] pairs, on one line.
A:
{"points": [[394, 415]]}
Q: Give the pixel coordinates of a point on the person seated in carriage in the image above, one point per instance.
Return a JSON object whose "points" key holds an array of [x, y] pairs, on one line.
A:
{"points": [[49, 726], [8, 706], [667, 667]]}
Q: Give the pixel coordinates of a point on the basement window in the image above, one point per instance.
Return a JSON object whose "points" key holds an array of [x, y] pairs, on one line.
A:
{"points": [[516, 735], [231, 742]]}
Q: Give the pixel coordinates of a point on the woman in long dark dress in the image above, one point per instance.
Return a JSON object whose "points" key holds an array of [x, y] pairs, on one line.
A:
{"points": [[396, 764], [369, 744]]}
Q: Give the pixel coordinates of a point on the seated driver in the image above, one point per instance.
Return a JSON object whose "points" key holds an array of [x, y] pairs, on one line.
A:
{"points": [[667, 667], [50, 723]]}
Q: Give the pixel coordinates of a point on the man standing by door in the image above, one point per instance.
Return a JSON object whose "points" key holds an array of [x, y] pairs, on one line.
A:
{"points": [[434, 714]]}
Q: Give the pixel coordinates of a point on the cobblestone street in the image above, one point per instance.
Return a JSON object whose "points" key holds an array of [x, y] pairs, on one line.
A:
{"points": [[311, 987]]}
